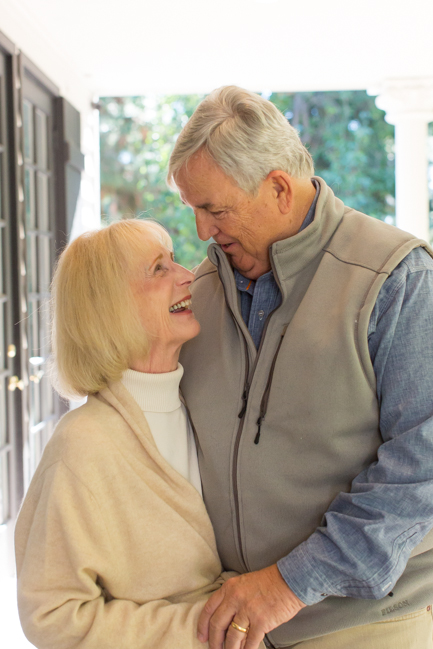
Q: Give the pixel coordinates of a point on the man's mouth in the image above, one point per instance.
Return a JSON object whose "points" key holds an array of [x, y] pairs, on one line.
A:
{"points": [[180, 306], [227, 246]]}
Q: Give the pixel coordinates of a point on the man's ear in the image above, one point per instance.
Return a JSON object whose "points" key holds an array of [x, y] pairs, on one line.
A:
{"points": [[282, 189]]}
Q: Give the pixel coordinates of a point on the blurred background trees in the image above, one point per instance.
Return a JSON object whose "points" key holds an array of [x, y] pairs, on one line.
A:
{"points": [[352, 146]]}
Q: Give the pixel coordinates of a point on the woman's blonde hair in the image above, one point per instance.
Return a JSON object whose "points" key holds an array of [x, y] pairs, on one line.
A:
{"points": [[96, 329]]}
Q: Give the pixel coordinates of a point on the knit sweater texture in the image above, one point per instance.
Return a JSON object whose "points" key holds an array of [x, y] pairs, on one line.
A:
{"points": [[114, 547]]}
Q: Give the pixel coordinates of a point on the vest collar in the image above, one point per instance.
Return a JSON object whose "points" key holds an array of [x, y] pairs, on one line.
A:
{"points": [[290, 256]]}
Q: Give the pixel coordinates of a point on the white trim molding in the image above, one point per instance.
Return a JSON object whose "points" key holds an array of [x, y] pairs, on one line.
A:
{"points": [[408, 104]]}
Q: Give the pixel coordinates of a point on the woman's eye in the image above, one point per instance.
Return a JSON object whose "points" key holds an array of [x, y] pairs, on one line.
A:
{"points": [[217, 214]]}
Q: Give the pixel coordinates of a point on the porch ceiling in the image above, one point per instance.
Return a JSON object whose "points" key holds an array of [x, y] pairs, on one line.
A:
{"points": [[132, 47]]}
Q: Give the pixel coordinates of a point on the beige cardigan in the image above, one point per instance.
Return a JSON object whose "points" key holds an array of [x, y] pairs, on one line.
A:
{"points": [[114, 548]]}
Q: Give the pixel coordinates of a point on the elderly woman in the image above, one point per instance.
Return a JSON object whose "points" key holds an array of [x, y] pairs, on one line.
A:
{"points": [[114, 546]]}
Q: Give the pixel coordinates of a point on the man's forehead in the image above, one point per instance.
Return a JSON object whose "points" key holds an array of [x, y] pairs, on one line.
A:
{"points": [[202, 183], [200, 169]]}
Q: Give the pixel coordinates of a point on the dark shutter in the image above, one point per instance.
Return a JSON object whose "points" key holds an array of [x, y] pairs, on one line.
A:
{"points": [[67, 131]]}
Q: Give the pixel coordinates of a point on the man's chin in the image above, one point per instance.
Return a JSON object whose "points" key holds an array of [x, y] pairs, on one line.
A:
{"points": [[248, 266], [245, 267]]}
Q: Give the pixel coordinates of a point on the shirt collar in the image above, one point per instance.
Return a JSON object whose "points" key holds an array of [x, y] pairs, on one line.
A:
{"points": [[310, 214]]}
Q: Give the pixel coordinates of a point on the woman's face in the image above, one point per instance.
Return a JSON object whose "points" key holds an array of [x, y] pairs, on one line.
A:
{"points": [[161, 290]]}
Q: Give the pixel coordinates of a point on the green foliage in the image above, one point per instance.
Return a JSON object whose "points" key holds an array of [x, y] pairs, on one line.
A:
{"points": [[137, 137], [351, 144]]}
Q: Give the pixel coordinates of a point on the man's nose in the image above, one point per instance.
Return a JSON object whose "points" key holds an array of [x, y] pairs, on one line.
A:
{"points": [[205, 228]]}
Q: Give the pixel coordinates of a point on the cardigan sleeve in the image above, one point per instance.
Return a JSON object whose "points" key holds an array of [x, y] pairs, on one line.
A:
{"points": [[62, 546]]}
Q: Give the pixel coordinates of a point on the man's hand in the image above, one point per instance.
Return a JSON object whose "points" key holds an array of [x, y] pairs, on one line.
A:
{"points": [[258, 601]]}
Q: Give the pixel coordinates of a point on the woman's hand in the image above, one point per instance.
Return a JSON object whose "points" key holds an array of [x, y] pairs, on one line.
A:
{"points": [[258, 601]]}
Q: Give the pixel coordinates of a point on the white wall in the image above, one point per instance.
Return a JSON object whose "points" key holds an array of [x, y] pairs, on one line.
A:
{"points": [[26, 28]]}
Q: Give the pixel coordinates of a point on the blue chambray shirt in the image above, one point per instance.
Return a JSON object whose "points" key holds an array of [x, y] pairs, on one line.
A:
{"points": [[262, 296], [370, 532]]}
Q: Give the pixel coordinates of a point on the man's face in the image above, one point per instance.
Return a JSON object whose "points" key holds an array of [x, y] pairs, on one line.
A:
{"points": [[243, 225]]}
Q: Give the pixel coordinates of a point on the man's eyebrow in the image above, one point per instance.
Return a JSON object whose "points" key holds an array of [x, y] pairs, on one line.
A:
{"points": [[206, 206]]}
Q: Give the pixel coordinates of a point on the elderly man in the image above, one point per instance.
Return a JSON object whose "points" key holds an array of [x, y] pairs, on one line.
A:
{"points": [[310, 389]]}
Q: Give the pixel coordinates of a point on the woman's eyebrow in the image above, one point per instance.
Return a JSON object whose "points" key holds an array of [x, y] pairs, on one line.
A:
{"points": [[155, 260]]}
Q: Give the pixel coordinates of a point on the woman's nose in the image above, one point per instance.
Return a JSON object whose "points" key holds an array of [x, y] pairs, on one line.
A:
{"points": [[186, 277]]}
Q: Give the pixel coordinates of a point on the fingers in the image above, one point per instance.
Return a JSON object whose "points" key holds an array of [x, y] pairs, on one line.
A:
{"points": [[209, 609], [236, 639], [253, 639], [219, 625], [261, 597]]}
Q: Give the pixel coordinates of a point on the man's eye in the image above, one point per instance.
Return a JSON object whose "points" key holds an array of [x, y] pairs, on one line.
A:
{"points": [[217, 214]]}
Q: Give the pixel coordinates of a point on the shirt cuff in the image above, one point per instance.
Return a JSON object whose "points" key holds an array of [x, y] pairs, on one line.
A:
{"points": [[298, 572]]}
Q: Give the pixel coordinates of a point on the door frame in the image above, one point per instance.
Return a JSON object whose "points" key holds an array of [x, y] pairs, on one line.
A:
{"points": [[18, 65]]}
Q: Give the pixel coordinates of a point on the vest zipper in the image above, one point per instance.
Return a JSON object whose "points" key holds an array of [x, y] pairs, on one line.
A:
{"points": [[245, 400], [239, 433], [242, 412], [265, 397], [240, 429]]}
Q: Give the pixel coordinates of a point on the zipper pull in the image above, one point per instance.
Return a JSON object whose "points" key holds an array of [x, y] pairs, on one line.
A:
{"points": [[259, 424], [245, 400]]}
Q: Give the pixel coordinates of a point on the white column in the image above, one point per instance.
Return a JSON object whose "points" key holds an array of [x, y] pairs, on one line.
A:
{"points": [[408, 104]]}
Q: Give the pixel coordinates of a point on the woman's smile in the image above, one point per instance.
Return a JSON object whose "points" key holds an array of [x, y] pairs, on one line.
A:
{"points": [[182, 306]]}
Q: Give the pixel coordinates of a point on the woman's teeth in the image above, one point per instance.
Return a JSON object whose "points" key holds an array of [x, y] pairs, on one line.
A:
{"points": [[180, 305]]}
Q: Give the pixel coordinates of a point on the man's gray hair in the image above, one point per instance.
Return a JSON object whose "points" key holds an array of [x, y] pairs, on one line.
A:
{"points": [[245, 135]]}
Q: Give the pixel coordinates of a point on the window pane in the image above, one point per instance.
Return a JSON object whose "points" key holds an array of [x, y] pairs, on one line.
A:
{"points": [[2, 336], [28, 131], [1, 184], [44, 264], [41, 140], [33, 328], [2, 103], [4, 488], [3, 427], [43, 204], [34, 452], [44, 324], [47, 397], [32, 263], [29, 180], [35, 403], [2, 261]]}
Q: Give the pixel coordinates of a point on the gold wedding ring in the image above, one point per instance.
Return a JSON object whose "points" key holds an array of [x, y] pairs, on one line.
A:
{"points": [[239, 628]]}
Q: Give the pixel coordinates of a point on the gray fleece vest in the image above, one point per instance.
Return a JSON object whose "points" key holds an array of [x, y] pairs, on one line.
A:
{"points": [[307, 396]]}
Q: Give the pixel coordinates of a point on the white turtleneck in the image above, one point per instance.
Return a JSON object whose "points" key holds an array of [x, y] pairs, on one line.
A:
{"points": [[158, 397]]}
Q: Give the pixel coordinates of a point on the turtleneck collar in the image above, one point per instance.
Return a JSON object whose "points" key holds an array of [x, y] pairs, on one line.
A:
{"points": [[154, 392]]}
